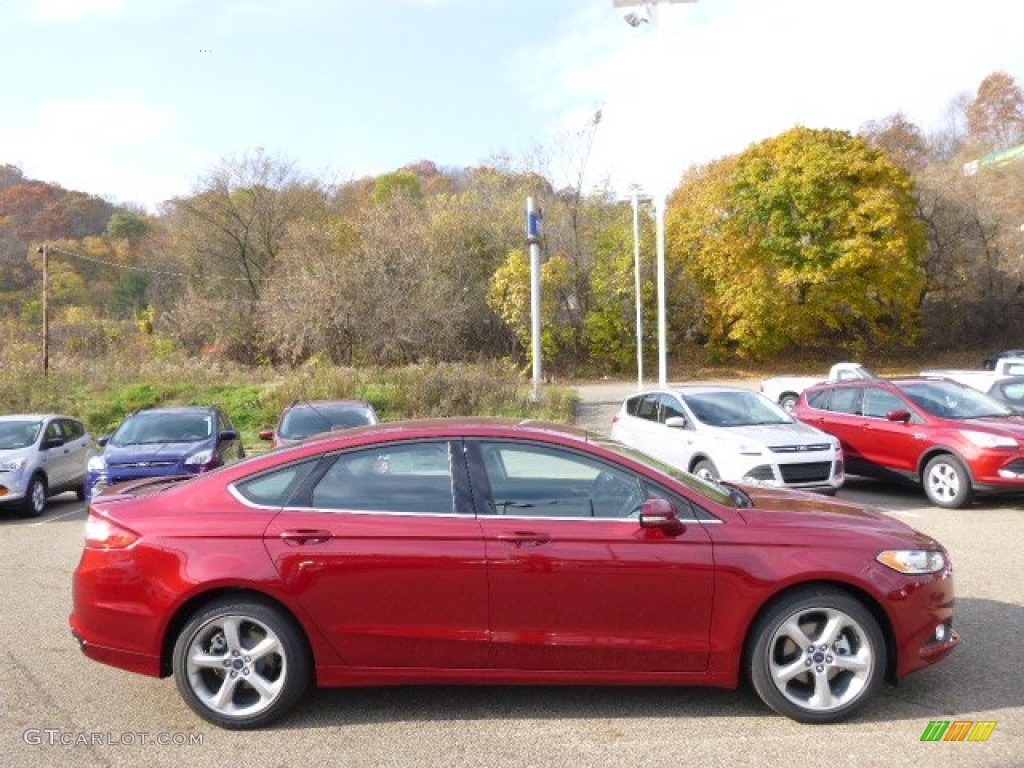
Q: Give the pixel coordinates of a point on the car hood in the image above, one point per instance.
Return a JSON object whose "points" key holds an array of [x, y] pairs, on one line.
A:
{"points": [[777, 434], [784, 507], [1013, 425], [128, 454], [9, 454]]}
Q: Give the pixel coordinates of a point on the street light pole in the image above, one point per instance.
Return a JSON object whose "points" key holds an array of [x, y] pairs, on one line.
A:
{"points": [[45, 251], [634, 20]]}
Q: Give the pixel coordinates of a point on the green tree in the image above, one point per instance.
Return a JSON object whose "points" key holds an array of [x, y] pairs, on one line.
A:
{"points": [[806, 238]]}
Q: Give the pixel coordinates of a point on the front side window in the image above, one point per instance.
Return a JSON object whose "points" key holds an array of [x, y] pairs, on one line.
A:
{"points": [[846, 400], [545, 481], [879, 403], [395, 477], [670, 407]]}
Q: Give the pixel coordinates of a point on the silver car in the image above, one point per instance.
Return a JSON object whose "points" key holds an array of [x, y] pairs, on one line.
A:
{"points": [[41, 455]]}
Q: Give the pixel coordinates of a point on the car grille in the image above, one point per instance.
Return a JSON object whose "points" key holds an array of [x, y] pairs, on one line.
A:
{"points": [[143, 465], [800, 448], [814, 472], [1016, 466]]}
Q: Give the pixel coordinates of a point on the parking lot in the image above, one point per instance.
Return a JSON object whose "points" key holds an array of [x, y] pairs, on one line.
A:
{"points": [[61, 709]]}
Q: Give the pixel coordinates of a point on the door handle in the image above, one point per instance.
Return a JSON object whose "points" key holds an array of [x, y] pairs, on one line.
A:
{"points": [[524, 538], [301, 536]]}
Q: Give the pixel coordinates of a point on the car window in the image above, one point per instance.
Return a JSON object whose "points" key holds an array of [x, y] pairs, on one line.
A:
{"points": [[1012, 391], [53, 430], [846, 400], [950, 400], [546, 481], [72, 429], [397, 477], [735, 409], [648, 408], [818, 399], [151, 428], [303, 421], [880, 402], [670, 407], [276, 488], [19, 434]]}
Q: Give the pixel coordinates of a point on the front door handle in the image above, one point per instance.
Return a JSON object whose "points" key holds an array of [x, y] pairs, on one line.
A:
{"points": [[524, 538], [299, 536]]}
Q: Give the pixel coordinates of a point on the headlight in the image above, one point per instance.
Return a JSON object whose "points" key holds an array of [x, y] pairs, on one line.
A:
{"points": [[13, 465], [97, 464], [202, 457], [912, 560], [988, 440]]}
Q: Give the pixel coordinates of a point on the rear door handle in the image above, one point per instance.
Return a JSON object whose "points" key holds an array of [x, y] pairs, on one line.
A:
{"points": [[524, 538], [301, 536]]}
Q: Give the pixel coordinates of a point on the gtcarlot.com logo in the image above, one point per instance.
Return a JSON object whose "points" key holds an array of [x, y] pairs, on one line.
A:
{"points": [[958, 730]]}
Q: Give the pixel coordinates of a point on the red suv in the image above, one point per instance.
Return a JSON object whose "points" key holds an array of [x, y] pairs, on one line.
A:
{"points": [[949, 438]]}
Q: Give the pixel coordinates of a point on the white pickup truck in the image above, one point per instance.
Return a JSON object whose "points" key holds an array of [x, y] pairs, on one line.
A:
{"points": [[979, 379], [785, 390]]}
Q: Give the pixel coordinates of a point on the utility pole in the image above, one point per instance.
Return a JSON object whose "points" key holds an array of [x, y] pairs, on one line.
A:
{"points": [[45, 251], [533, 218]]}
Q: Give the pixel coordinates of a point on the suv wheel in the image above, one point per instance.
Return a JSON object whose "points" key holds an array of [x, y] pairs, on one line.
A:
{"points": [[35, 497], [946, 482]]}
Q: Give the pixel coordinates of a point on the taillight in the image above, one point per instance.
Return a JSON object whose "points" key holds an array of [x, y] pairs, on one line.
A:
{"points": [[102, 533]]}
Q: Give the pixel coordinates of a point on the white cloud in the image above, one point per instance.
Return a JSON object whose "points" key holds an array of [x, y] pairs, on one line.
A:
{"points": [[120, 149], [72, 10], [709, 79]]}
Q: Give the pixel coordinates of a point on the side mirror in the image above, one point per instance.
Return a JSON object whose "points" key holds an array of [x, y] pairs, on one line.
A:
{"points": [[676, 422], [229, 434], [102, 441], [660, 514], [266, 434], [52, 442], [903, 416]]}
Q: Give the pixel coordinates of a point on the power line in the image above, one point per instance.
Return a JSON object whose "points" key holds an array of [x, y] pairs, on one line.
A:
{"points": [[149, 271]]}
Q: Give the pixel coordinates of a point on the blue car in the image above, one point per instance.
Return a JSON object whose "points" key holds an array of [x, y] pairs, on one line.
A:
{"points": [[164, 442]]}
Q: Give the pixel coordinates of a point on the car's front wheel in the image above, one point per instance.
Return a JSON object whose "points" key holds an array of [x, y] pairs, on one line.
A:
{"points": [[946, 482], [35, 496], [817, 655], [241, 663], [705, 469]]}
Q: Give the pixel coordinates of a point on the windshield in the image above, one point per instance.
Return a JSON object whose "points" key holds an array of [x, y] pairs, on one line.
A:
{"points": [[18, 434], [153, 428], [302, 421], [735, 409], [949, 400], [708, 490]]}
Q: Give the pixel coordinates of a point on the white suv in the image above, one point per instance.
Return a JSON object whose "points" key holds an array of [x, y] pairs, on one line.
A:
{"points": [[41, 455], [729, 433]]}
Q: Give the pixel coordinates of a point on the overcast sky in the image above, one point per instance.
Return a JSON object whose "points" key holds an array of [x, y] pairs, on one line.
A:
{"points": [[135, 100]]}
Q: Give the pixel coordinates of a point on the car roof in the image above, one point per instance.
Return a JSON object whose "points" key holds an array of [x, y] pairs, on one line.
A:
{"points": [[321, 403], [695, 389], [178, 409], [35, 416], [476, 426]]}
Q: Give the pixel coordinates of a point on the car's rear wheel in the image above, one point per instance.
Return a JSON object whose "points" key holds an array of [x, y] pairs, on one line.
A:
{"points": [[241, 663], [705, 469], [35, 496], [946, 482], [817, 655], [788, 402]]}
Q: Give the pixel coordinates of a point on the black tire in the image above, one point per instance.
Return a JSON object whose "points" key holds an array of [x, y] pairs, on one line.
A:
{"points": [[35, 497], [839, 667], [80, 490], [787, 401], [706, 470], [222, 635], [946, 482]]}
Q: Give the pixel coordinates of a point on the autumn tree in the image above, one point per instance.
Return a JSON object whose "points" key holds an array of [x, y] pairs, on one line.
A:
{"points": [[996, 116], [806, 238]]}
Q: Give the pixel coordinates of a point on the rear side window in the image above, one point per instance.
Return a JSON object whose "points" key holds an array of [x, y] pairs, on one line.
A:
{"points": [[818, 399], [275, 488]]}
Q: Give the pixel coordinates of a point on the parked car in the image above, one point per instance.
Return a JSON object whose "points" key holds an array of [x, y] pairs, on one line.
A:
{"points": [[951, 439], [493, 551], [41, 455], [983, 380], [1010, 392], [162, 442], [990, 363], [784, 390], [312, 417], [729, 433]]}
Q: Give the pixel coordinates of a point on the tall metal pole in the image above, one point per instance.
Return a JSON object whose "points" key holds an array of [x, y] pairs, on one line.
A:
{"points": [[46, 309], [533, 238], [638, 287], [660, 202]]}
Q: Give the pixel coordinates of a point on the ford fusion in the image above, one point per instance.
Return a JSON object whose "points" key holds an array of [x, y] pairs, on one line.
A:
{"points": [[475, 551]]}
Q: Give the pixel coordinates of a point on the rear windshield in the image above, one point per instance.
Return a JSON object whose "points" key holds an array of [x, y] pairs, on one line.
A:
{"points": [[306, 420], [18, 434]]}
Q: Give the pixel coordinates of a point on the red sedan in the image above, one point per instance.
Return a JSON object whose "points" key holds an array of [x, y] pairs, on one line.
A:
{"points": [[951, 439], [486, 551]]}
